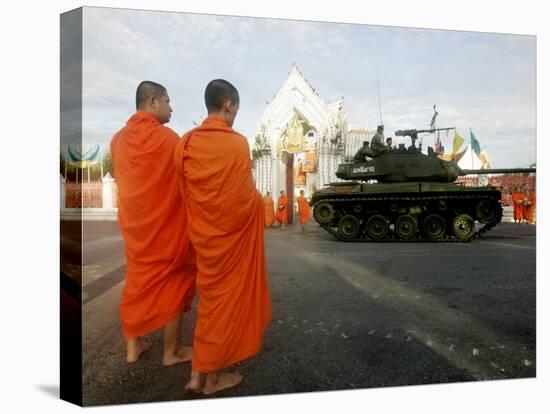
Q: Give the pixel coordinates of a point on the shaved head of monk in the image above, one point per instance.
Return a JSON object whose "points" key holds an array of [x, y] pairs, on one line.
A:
{"points": [[153, 98], [222, 100]]}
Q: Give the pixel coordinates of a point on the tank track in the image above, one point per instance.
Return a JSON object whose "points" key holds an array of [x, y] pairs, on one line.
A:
{"points": [[343, 203]]}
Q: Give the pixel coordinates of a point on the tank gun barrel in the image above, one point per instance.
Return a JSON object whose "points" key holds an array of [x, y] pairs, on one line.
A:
{"points": [[415, 132], [499, 171]]}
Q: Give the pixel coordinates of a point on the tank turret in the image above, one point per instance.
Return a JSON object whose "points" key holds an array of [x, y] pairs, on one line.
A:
{"points": [[402, 194], [398, 166]]}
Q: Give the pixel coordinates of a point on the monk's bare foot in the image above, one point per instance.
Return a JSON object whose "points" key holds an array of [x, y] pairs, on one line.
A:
{"points": [[196, 382], [184, 354], [222, 380], [135, 348]]}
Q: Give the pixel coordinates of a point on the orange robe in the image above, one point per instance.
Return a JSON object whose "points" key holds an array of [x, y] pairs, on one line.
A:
{"points": [[269, 207], [226, 227], [518, 208], [304, 211], [160, 262], [282, 204], [530, 210], [524, 206]]}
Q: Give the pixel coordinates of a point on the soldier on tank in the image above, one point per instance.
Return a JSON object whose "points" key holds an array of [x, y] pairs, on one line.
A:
{"points": [[362, 153], [377, 144]]}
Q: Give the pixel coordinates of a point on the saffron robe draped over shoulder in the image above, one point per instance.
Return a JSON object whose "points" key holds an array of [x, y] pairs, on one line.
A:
{"points": [[530, 208], [160, 261], [304, 211], [226, 220], [282, 204], [518, 208], [269, 207]]}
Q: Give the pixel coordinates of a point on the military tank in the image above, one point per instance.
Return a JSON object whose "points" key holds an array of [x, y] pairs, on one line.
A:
{"points": [[403, 194]]}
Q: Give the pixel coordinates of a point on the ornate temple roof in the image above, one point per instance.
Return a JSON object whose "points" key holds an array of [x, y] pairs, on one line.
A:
{"points": [[329, 120]]}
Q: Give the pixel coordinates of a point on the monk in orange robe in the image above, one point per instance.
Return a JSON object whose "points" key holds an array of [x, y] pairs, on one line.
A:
{"points": [[530, 206], [526, 205], [282, 204], [269, 207], [517, 200], [226, 220], [160, 262], [304, 211]]}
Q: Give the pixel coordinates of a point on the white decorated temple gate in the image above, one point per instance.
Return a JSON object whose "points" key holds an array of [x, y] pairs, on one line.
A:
{"points": [[300, 141]]}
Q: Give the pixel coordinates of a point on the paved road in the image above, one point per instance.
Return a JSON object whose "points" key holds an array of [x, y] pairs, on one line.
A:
{"points": [[345, 315]]}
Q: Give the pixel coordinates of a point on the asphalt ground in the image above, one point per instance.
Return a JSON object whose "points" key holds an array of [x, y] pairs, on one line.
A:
{"points": [[345, 316]]}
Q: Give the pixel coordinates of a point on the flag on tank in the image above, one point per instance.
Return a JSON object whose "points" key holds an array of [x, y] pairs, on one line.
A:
{"points": [[438, 147]]}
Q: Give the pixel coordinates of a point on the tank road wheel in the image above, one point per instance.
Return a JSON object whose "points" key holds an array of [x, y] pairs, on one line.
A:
{"points": [[463, 226], [434, 226], [377, 227], [324, 213], [405, 226], [348, 227], [487, 211]]}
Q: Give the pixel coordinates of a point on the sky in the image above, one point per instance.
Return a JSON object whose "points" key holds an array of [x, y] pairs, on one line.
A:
{"points": [[482, 81]]}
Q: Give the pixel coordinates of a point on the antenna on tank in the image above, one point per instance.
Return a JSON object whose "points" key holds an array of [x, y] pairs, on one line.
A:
{"points": [[379, 102]]}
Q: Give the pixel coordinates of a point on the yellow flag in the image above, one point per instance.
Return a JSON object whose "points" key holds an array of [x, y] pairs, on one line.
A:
{"points": [[484, 160], [457, 142]]}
